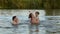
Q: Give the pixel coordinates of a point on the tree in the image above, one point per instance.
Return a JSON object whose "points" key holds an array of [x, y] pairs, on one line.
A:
{"points": [[30, 4]]}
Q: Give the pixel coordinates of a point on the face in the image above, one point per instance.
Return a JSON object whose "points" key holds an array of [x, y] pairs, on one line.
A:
{"points": [[16, 19], [36, 14]]}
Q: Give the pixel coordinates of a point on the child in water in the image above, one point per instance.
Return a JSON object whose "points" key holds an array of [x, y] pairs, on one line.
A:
{"points": [[37, 18], [34, 20], [15, 20]]}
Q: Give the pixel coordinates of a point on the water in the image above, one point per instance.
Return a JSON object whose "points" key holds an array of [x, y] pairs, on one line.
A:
{"points": [[22, 29], [45, 27]]}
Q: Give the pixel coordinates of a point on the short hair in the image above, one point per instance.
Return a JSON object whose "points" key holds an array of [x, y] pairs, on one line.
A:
{"points": [[37, 12], [13, 18], [30, 15]]}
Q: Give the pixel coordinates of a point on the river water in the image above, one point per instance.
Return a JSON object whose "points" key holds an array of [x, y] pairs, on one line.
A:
{"points": [[45, 27]]}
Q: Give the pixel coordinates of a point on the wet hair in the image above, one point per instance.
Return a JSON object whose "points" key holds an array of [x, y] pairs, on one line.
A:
{"points": [[30, 15], [13, 18], [37, 13]]}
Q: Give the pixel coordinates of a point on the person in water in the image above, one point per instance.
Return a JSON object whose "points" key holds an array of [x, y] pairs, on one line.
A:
{"points": [[33, 21], [15, 23], [15, 20], [37, 18]]}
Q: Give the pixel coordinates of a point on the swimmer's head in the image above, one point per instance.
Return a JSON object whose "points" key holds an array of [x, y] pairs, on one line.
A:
{"points": [[37, 13], [14, 18]]}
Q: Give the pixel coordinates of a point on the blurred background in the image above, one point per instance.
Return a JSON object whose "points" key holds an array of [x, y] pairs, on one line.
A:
{"points": [[30, 4], [52, 7], [49, 16]]}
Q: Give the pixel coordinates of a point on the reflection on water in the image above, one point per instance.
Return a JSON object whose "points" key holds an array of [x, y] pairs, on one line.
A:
{"points": [[23, 28], [45, 27]]}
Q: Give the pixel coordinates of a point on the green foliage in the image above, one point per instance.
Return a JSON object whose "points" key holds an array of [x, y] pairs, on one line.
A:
{"points": [[30, 4]]}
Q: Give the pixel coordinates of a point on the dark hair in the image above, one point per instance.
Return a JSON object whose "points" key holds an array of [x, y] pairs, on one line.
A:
{"points": [[13, 18], [37, 13], [30, 15]]}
